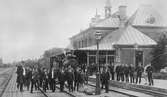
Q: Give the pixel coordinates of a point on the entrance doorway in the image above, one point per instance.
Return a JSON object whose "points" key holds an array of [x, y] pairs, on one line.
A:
{"points": [[138, 57]]}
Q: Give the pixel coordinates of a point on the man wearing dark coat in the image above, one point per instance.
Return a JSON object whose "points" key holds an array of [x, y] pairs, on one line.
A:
{"points": [[76, 79], [28, 78], [20, 78], [149, 71], [41, 75], [52, 80], [102, 75], [139, 70], [122, 69], [131, 72], [45, 80], [111, 68], [118, 68], [32, 80], [70, 79], [61, 78], [126, 72], [21, 81], [106, 79], [19, 72]]}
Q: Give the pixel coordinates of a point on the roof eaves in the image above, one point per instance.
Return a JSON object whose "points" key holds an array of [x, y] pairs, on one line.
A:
{"points": [[87, 29]]}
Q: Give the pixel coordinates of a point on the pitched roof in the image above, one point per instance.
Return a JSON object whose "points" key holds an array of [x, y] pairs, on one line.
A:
{"points": [[145, 15], [108, 22], [128, 36]]}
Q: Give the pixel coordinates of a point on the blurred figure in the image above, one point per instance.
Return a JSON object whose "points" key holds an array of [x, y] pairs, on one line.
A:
{"points": [[145, 75], [20, 78], [24, 75], [45, 80], [76, 79], [86, 76], [81, 79], [126, 72], [52, 80], [61, 78], [70, 79], [139, 70], [34, 80], [28, 77], [122, 69], [41, 75], [149, 71], [106, 78], [102, 78], [112, 72], [118, 69], [131, 73]]}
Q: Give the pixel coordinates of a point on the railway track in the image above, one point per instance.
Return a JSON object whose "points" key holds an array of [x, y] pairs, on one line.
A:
{"points": [[127, 94], [153, 93], [11, 89], [66, 92], [150, 92], [7, 74]]}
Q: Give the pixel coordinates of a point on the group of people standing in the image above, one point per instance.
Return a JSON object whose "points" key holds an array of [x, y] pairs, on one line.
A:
{"points": [[48, 79], [131, 74], [74, 78]]}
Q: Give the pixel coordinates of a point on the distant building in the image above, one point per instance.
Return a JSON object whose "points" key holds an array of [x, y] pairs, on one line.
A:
{"points": [[126, 40], [1, 62]]}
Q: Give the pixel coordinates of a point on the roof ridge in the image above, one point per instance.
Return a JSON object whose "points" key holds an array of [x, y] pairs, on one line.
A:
{"points": [[104, 22]]}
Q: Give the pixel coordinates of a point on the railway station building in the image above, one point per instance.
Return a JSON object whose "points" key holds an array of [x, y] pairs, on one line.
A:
{"points": [[126, 40]]}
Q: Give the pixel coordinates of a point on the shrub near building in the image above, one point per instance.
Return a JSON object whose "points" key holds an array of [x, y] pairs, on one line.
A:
{"points": [[159, 54]]}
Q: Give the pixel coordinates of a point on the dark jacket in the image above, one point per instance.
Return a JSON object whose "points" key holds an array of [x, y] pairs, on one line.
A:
{"points": [[131, 70], [106, 77], [149, 69], [139, 69], [126, 70], [61, 77]]}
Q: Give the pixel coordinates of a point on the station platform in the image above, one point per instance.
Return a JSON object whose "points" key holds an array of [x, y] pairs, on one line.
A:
{"points": [[158, 83]]}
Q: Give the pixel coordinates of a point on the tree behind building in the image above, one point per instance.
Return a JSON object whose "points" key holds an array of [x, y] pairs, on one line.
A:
{"points": [[159, 53]]}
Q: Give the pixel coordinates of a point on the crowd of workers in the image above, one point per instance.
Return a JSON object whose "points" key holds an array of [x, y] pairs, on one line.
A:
{"points": [[73, 79], [36, 78], [131, 74]]}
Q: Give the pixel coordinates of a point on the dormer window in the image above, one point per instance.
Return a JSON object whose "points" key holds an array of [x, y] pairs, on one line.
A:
{"points": [[150, 20]]}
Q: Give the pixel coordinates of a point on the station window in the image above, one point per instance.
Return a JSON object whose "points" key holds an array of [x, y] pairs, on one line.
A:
{"points": [[92, 59], [110, 59]]}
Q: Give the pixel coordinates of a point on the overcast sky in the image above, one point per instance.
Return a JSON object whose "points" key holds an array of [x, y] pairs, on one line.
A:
{"points": [[28, 27]]}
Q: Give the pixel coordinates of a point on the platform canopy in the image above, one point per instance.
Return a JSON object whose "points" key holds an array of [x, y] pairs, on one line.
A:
{"points": [[104, 46]]}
